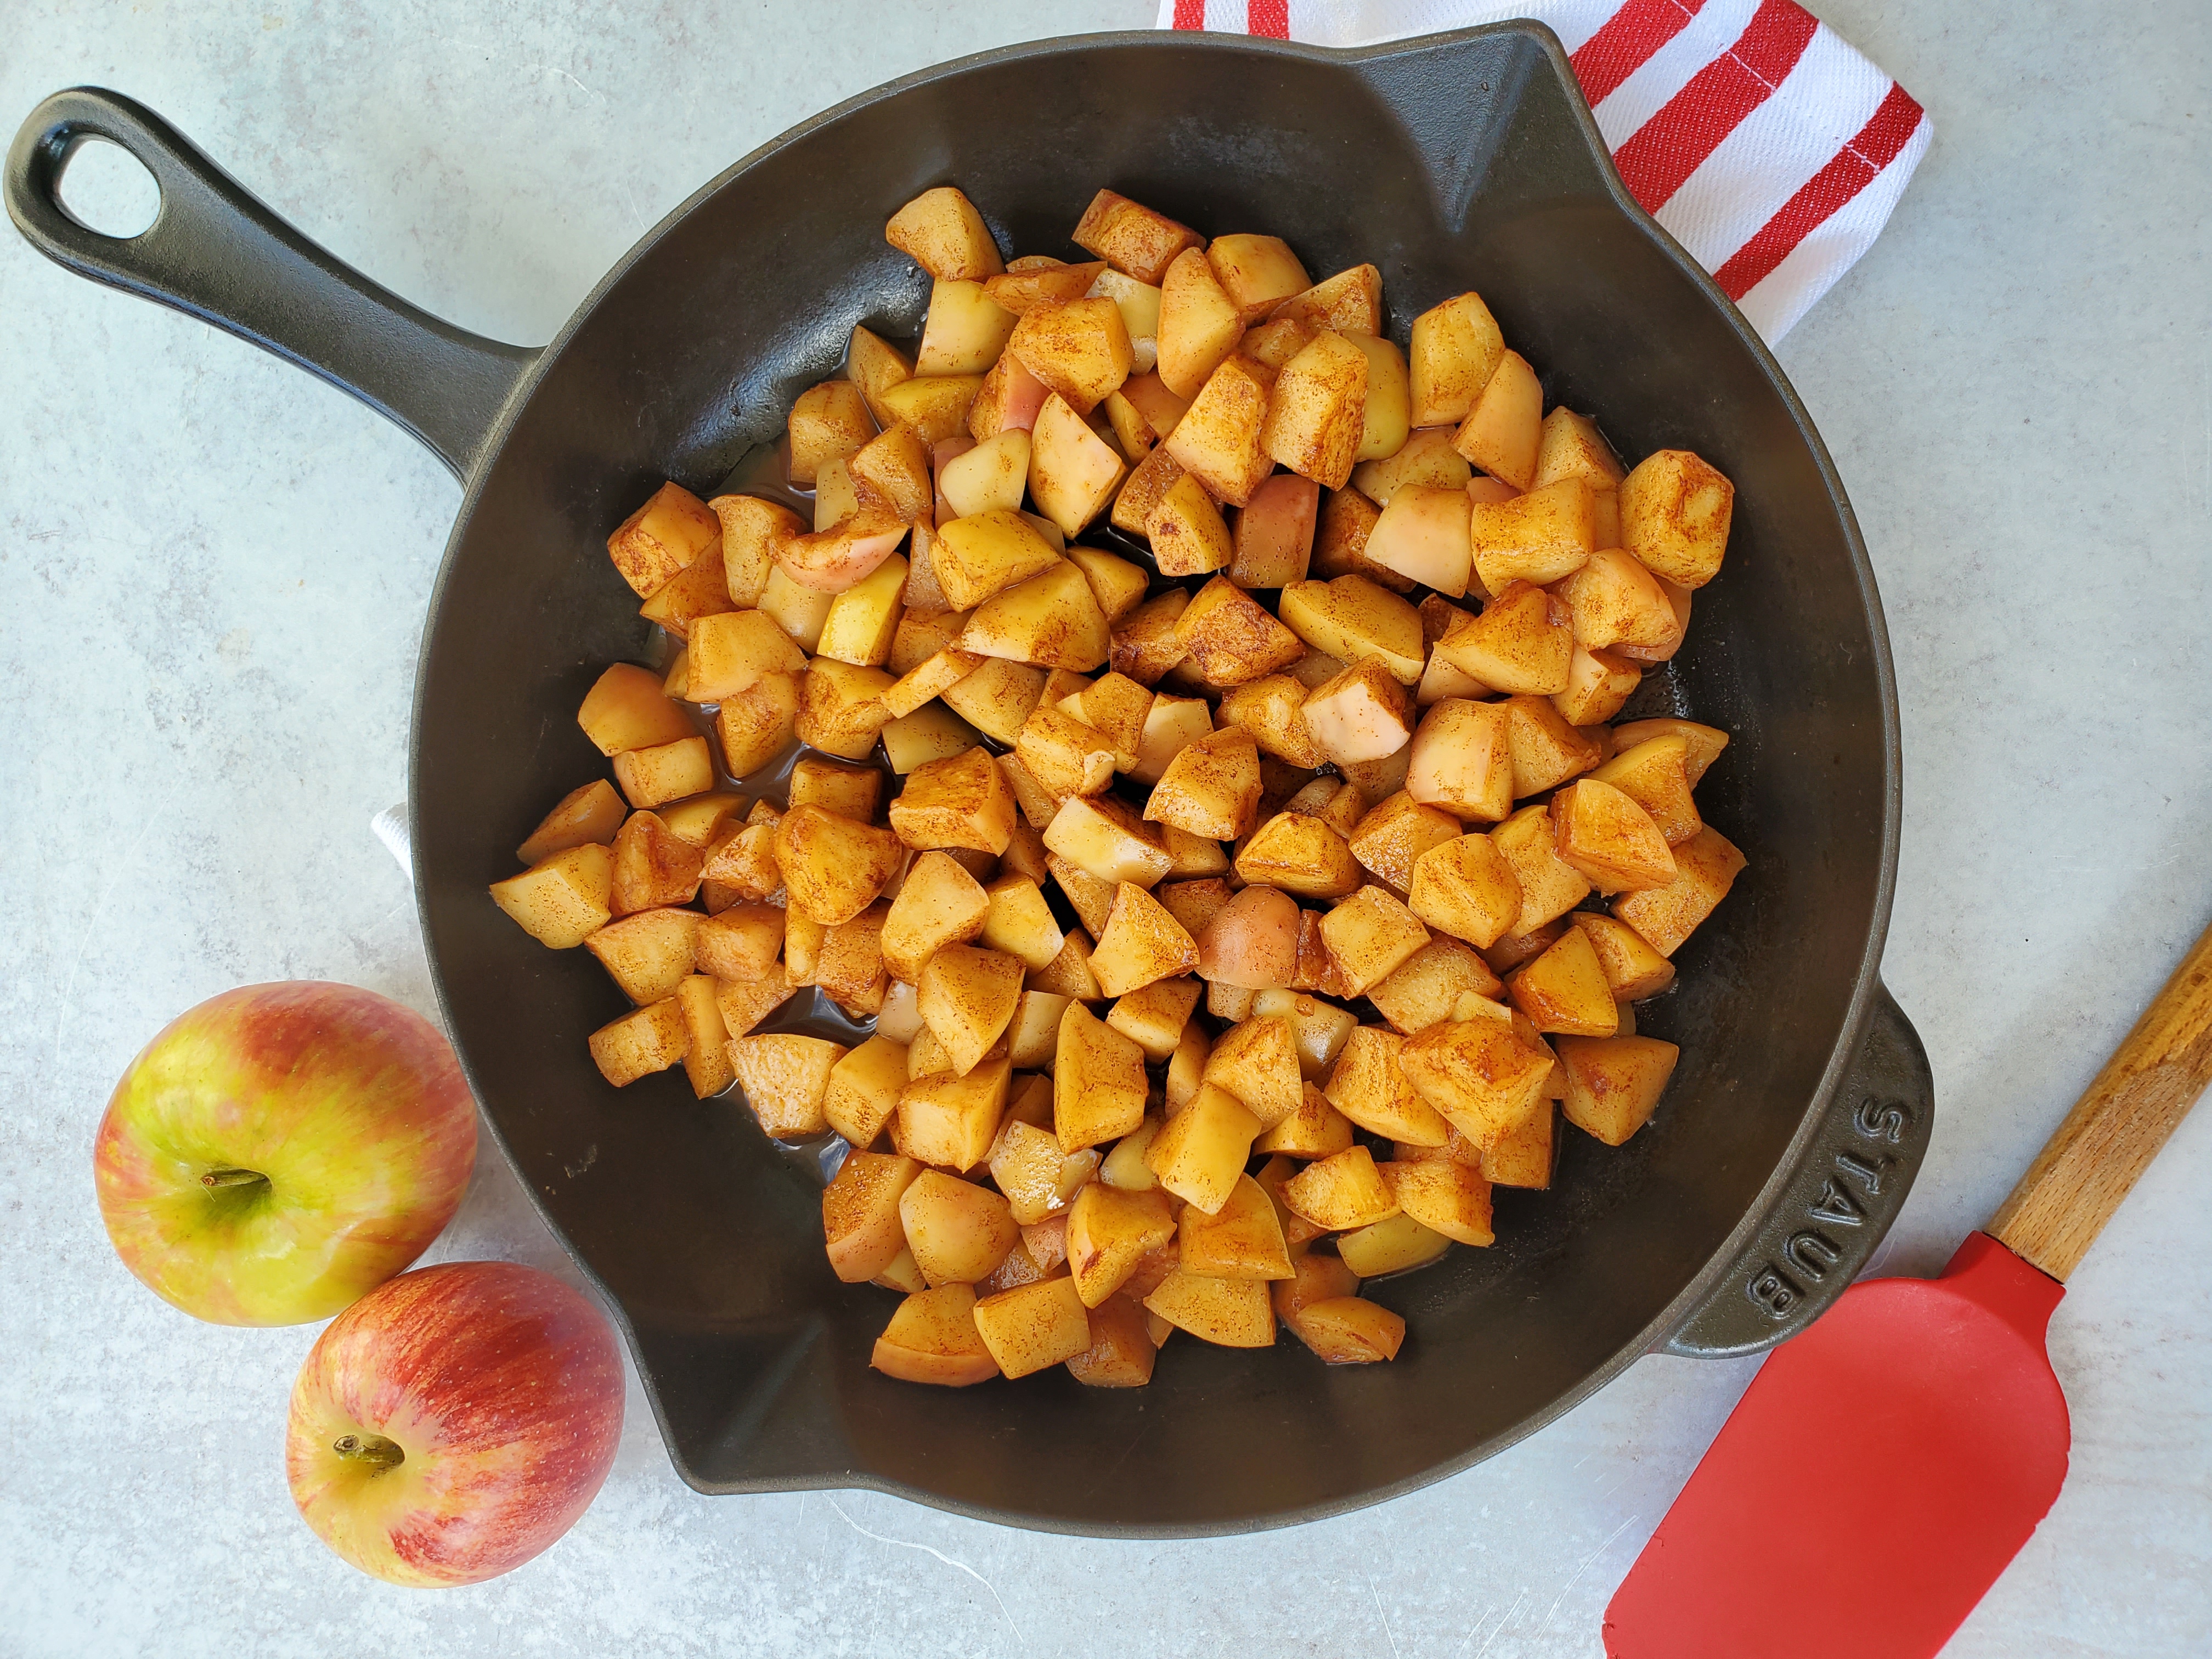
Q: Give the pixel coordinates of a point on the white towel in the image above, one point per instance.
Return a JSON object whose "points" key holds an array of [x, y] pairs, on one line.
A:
{"points": [[1768, 146]]}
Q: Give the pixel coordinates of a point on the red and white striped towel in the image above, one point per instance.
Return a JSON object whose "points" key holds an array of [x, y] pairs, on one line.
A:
{"points": [[1768, 146]]}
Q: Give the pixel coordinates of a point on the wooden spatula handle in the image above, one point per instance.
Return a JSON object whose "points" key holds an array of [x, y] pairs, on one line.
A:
{"points": [[2117, 1125]]}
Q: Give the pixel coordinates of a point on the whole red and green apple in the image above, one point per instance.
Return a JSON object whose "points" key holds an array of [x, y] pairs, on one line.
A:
{"points": [[282, 1149], [454, 1422]]}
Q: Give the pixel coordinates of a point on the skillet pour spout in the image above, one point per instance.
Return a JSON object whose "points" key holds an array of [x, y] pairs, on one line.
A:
{"points": [[1801, 1105]]}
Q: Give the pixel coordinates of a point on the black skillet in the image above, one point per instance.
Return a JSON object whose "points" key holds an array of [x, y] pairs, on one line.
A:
{"points": [[1801, 1106]]}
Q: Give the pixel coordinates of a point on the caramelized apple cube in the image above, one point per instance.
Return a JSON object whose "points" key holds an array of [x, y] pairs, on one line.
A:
{"points": [[1564, 991], [1110, 1230], [1032, 1327], [1613, 1084], [863, 1092], [1503, 424], [1131, 237], [1705, 867], [1654, 775], [665, 772], [1201, 1150], [1445, 1195], [1315, 413], [647, 1039], [1632, 968], [1041, 281], [627, 710], [564, 898], [933, 1338], [833, 867], [1141, 942], [1457, 348], [941, 231], [785, 1077], [652, 866], [1426, 460], [1609, 840], [959, 1233], [1519, 643], [1423, 535], [1390, 839], [1198, 324], [951, 1121], [962, 801], [1467, 888], [1363, 713], [1459, 761], [1211, 786], [860, 1220], [1300, 855], [1390, 1246], [1098, 1082], [1478, 1073], [1243, 1240], [1219, 437], [1230, 639], [648, 953], [1188, 533], [1121, 1352], [1051, 620], [1271, 711], [657, 542], [1369, 936], [1107, 840], [1599, 683], [1340, 1192], [1675, 515], [1268, 1061], [1078, 348]]}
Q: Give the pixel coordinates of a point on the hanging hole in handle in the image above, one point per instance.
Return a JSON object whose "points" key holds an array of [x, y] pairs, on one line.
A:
{"points": [[107, 189]]}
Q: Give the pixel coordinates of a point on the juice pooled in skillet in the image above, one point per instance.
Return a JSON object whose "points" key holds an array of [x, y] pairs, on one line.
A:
{"points": [[1228, 932]]}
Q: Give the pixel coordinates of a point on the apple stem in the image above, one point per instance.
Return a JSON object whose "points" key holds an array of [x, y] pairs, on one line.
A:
{"points": [[371, 1449], [221, 1178]]}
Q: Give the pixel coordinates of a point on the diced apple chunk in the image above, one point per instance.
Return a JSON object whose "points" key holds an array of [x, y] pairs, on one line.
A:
{"points": [[941, 231], [1141, 943], [860, 1214], [1503, 424], [785, 1077], [1131, 237], [1078, 348], [1613, 1084], [1426, 458], [626, 708], [933, 1338], [1231, 640], [1363, 713], [1315, 411], [1218, 436], [562, 900], [1423, 535], [1564, 990], [1456, 348], [655, 545], [1461, 762], [1705, 867], [1188, 536], [1675, 515]]}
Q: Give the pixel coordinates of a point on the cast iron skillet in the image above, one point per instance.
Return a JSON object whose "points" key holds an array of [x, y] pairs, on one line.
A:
{"points": [[1801, 1106]]}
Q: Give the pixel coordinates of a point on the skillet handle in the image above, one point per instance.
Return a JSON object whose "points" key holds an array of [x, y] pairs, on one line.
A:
{"points": [[1835, 1204], [216, 254]]}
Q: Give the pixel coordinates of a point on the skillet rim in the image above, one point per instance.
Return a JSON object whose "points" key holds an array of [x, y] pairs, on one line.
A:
{"points": [[1851, 1038]]}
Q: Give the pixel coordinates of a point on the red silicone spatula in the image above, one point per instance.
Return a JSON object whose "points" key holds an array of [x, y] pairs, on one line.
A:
{"points": [[1886, 1465]]}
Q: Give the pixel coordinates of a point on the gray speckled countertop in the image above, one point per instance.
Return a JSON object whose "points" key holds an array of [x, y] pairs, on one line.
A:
{"points": [[212, 575]]}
